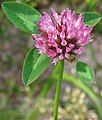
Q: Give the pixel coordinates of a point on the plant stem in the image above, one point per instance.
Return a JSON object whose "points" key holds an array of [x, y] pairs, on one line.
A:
{"points": [[58, 88]]}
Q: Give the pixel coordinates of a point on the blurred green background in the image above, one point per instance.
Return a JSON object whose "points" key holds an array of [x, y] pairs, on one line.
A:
{"points": [[35, 102]]}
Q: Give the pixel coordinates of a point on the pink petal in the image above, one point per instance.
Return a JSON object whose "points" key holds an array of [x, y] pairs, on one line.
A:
{"points": [[68, 49], [71, 46], [59, 50], [63, 43], [67, 55], [61, 57]]}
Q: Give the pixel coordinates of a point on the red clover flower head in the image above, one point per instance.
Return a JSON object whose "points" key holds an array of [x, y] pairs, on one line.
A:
{"points": [[62, 35]]}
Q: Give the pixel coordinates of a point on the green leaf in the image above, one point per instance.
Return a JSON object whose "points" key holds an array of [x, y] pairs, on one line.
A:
{"points": [[85, 72], [34, 65], [91, 18], [23, 16]]}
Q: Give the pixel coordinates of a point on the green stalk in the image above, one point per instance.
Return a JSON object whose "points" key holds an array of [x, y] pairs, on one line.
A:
{"points": [[58, 89]]}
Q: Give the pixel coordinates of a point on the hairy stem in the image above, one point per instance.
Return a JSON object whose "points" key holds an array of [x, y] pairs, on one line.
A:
{"points": [[58, 88]]}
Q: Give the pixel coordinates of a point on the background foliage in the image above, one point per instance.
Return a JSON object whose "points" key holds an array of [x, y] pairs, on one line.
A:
{"points": [[37, 99]]}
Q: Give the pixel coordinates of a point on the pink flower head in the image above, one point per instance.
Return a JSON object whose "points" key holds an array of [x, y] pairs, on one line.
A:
{"points": [[62, 35]]}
